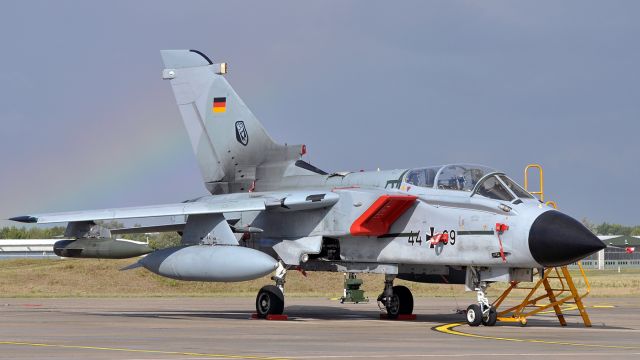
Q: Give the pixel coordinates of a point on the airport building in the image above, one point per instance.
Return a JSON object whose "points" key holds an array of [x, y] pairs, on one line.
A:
{"points": [[27, 248], [621, 252]]}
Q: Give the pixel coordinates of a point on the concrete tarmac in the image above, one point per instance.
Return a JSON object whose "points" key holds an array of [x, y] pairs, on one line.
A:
{"points": [[205, 328]]}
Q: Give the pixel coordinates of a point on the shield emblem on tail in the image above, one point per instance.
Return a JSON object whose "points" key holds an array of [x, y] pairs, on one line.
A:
{"points": [[241, 133]]}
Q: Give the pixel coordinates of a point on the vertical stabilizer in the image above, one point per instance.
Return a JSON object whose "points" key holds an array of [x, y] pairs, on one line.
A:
{"points": [[229, 142]]}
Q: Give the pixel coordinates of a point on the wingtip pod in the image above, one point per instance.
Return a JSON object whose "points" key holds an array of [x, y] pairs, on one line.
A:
{"points": [[25, 219]]}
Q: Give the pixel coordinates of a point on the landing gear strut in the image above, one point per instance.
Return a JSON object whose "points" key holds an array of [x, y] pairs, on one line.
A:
{"points": [[270, 299], [482, 312], [396, 299]]}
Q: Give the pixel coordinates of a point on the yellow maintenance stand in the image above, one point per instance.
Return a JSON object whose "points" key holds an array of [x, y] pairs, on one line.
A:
{"points": [[555, 289]]}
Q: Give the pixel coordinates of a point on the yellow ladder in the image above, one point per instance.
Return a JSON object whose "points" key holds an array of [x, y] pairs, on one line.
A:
{"points": [[540, 192], [556, 286], [554, 290]]}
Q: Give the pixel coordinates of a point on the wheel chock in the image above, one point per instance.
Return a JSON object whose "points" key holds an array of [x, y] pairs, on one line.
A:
{"points": [[401, 317], [274, 317]]}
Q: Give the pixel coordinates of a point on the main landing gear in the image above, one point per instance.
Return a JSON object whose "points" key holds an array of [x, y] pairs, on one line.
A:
{"points": [[482, 312], [396, 299], [270, 299]]}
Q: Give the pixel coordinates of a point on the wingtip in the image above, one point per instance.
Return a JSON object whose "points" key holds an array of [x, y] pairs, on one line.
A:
{"points": [[25, 219]]}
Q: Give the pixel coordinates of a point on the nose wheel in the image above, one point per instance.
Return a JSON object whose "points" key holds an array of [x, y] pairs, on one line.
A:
{"points": [[491, 318], [474, 315], [482, 312]]}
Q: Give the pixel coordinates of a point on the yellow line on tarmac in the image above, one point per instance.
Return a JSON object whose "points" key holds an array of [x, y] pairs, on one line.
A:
{"points": [[449, 329], [80, 347], [575, 307], [566, 308]]}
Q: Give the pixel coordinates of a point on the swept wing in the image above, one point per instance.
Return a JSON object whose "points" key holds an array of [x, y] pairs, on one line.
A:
{"points": [[278, 201]]}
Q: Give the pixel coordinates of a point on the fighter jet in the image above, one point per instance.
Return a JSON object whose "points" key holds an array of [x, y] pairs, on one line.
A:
{"points": [[270, 211]]}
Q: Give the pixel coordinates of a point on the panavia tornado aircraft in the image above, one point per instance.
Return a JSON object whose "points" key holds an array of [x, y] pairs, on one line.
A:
{"points": [[270, 211]]}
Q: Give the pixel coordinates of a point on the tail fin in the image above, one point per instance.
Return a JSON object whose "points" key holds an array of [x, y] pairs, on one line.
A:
{"points": [[229, 142]]}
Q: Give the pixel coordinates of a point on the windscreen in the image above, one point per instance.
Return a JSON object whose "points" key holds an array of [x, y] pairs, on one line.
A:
{"points": [[519, 191], [492, 188]]}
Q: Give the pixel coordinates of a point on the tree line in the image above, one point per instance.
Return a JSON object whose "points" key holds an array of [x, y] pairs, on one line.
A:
{"points": [[612, 229], [155, 240]]}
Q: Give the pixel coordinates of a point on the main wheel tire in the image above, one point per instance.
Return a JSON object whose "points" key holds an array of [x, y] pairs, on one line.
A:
{"points": [[393, 307], [474, 315], [406, 299], [492, 318], [270, 301], [401, 302]]}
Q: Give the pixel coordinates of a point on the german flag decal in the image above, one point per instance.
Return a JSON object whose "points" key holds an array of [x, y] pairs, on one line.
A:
{"points": [[219, 104]]}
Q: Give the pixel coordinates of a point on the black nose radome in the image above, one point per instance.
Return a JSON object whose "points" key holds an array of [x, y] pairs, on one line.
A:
{"points": [[556, 239]]}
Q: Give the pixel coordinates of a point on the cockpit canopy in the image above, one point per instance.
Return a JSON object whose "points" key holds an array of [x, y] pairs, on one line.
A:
{"points": [[449, 177], [480, 180]]}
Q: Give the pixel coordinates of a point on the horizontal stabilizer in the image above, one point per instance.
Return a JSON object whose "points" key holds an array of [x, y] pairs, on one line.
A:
{"points": [[135, 265]]}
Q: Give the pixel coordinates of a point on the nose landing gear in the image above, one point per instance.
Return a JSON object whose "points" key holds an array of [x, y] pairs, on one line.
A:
{"points": [[482, 313]]}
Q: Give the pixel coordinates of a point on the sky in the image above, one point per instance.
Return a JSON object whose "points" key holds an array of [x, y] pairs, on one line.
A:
{"points": [[87, 122]]}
